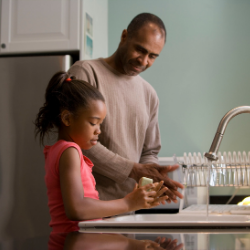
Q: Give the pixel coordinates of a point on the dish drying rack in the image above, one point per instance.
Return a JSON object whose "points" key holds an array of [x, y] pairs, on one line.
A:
{"points": [[231, 169]]}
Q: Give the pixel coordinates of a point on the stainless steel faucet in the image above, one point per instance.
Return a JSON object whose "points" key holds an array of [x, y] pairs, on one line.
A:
{"points": [[212, 154]]}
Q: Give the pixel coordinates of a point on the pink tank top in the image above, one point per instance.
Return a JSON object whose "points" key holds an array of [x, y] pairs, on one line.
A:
{"points": [[59, 221]]}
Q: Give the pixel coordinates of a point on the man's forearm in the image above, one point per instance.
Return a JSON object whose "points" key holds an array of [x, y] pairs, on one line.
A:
{"points": [[108, 163]]}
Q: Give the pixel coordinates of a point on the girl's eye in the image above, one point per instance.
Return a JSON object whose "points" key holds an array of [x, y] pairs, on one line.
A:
{"points": [[92, 124]]}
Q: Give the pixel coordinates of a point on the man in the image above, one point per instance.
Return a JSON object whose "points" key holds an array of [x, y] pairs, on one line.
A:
{"points": [[130, 139]]}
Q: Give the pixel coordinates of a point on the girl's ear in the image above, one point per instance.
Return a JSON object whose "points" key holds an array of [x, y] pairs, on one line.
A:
{"points": [[66, 117]]}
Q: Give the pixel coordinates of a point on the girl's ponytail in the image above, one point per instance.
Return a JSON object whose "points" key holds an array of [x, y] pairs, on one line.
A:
{"points": [[48, 115]]}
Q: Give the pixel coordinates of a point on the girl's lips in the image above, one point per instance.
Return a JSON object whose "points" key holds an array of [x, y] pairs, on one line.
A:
{"points": [[93, 142]]}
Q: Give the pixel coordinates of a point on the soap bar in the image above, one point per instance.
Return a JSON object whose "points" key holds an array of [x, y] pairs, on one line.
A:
{"points": [[144, 181]]}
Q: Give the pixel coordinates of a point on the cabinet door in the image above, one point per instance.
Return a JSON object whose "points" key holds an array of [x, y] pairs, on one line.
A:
{"points": [[39, 25]]}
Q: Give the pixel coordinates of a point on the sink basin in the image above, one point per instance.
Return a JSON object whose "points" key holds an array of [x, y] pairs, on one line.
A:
{"points": [[170, 220]]}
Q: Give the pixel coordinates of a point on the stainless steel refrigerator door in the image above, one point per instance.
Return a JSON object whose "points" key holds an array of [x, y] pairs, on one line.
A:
{"points": [[23, 198]]}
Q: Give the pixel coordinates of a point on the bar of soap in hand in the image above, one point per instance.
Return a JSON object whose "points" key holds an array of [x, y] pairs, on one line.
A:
{"points": [[145, 181]]}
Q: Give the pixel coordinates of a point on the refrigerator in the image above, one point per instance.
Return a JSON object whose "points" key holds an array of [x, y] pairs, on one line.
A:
{"points": [[23, 198]]}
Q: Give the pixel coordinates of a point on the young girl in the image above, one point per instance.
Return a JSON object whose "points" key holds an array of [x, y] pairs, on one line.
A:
{"points": [[76, 110]]}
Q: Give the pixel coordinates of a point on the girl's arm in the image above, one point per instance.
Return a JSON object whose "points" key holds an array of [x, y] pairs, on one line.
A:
{"points": [[78, 207]]}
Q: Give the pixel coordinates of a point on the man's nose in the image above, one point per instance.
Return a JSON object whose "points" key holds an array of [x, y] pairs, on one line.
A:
{"points": [[143, 60]]}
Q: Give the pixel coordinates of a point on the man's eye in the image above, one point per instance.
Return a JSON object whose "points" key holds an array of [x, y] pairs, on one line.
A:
{"points": [[140, 50]]}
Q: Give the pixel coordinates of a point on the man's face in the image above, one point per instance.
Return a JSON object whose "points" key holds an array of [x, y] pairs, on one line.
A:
{"points": [[139, 52]]}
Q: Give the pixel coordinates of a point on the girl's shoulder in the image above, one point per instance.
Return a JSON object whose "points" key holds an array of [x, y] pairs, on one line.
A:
{"points": [[59, 147], [54, 152]]}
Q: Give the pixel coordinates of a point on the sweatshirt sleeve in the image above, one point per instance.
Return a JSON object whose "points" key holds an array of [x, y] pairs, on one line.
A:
{"points": [[152, 143], [109, 164], [106, 162]]}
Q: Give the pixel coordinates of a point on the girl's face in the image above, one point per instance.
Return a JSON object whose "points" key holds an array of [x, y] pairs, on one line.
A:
{"points": [[84, 126]]}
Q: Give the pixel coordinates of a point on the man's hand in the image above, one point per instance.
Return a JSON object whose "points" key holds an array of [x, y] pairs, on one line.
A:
{"points": [[158, 173]]}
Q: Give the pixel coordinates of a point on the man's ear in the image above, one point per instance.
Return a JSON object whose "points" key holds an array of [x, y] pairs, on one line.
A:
{"points": [[66, 117], [124, 36]]}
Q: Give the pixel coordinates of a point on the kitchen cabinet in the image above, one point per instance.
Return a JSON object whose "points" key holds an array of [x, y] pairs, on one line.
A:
{"points": [[29, 26]]}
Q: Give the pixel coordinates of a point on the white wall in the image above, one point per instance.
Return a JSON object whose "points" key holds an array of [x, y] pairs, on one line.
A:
{"points": [[98, 10]]}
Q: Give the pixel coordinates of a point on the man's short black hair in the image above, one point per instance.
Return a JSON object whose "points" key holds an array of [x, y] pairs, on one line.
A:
{"points": [[144, 18]]}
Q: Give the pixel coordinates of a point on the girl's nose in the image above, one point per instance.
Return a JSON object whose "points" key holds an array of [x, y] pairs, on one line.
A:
{"points": [[98, 131]]}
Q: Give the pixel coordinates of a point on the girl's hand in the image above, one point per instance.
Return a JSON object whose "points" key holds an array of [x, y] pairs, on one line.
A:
{"points": [[140, 198], [160, 190], [145, 197]]}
